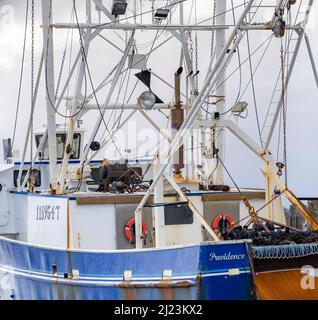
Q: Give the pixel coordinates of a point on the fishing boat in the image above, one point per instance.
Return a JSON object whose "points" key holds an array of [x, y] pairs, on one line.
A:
{"points": [[164, 225]]}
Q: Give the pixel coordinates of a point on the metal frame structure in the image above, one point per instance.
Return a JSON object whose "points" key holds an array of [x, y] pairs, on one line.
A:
{"points": [[224, 51]]}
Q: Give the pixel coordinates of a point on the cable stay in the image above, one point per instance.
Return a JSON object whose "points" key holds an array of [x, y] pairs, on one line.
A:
{"points": [[293, 42], [20, 78]]}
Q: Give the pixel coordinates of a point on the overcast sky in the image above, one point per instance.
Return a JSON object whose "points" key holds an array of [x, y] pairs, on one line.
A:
{"points": [[244, 166]]}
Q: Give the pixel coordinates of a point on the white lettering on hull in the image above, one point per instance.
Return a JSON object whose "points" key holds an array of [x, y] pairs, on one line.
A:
{"points": [[226, 256]]}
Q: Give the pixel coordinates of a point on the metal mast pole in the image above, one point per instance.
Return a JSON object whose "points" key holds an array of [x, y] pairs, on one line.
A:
{"points": [[49, 85], [220, 40], [312, 60], [76, 102]]}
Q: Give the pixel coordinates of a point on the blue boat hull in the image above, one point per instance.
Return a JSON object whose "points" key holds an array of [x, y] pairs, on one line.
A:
{"points": [[206, 271]]}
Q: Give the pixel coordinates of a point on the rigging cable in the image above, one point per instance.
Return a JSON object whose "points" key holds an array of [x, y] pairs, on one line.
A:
{"points": [[284, 113], [31, 171], [94, 92], [63, 60], [147, 57], [32, 84], [21, 76], [238, 69], [196, 44], [253, 88], [243, 63], [51, 103], [135, 15], [238, 57], [103, 83], [269, 40]]}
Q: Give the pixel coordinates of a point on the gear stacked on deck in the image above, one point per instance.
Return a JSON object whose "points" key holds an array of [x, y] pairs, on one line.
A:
{"points": [[274, 236]]}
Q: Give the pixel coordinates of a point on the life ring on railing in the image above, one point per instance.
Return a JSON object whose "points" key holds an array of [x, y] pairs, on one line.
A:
{"points": [[218, 219], [130, 230]]}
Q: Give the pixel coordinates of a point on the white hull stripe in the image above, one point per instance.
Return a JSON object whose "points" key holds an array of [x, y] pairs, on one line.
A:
{"points": [[102, 281]]}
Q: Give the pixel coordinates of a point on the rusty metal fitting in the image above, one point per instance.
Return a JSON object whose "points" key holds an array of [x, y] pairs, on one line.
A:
{"points": [[280, 167]]}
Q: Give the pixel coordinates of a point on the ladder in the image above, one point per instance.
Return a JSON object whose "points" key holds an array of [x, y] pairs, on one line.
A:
{"points": [[293, 44]]}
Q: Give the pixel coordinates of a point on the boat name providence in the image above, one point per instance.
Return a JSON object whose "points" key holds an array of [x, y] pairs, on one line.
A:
{"points": [[226, 256], [48, 212]]}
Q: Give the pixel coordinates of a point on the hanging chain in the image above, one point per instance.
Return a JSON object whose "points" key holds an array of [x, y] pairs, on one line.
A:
{"points": [[191, 46], [196, 41], [31, 171], [284, 111], [60, 74], [63, 60], [32, 78], [196, 61], [213, 31]]}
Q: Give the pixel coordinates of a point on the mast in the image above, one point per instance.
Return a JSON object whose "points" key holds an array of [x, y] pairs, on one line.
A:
{"points": [[76, 102], [220, 9], [50, 92]]}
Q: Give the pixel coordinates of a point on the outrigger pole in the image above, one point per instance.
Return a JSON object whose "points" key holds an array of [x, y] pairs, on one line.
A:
{"points": [[50, 90], [77, 100]]}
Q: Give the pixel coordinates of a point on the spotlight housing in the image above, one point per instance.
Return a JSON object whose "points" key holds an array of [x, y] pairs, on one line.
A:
{"points": [[119, 7], [161, 14], [147, 100], [240, 107]]}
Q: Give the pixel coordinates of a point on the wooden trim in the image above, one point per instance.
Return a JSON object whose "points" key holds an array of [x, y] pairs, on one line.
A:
{"points": [[232, 196], [135, 199], [112, 199]]}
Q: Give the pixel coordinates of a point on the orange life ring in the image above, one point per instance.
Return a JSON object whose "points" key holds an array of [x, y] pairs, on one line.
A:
{"points": [[216, 221], [129, 234]]}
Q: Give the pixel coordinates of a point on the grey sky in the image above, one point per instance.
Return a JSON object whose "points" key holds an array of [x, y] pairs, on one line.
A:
{"points": [[244, 166]]}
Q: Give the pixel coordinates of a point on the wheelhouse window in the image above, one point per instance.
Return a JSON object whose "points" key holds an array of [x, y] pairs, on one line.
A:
{"points": [[37, 177], [60, 146]]}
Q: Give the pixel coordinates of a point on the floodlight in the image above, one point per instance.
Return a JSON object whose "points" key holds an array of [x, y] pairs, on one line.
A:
{"points": [[240, 107], [147, 100], [161, 14], [119, 7]]}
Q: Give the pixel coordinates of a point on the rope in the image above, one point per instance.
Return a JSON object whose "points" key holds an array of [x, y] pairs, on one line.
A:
{"points": [[196, 52], [21, 76], [32, 83], [52, 103], [94, 93], [285, 251], [31, 173], [253, 88], [227, 171], [284, 112], [63, 60]]}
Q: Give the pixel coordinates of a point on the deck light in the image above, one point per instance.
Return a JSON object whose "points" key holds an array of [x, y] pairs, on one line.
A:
{"points": [[147, 100], [240, 107], [119, 7], [161, 14]]}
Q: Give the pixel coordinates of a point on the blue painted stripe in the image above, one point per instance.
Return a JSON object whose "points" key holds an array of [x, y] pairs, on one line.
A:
{"points": [[78, 161]]}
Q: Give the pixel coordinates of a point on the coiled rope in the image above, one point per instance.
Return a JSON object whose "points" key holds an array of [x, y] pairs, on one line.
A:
{"points": [[285, 251]]}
